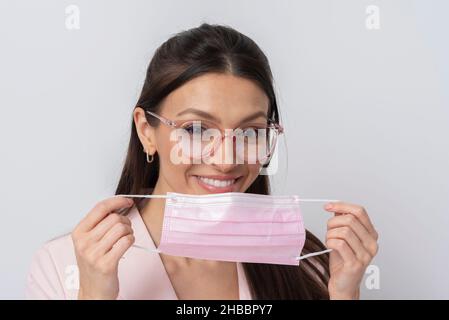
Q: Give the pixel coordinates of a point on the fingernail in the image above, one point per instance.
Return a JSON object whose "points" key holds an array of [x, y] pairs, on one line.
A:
{"points": [[131, 202], [328, 206]]}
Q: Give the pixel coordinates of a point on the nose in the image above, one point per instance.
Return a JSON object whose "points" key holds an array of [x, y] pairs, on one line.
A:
{"points": [[224, 156]]}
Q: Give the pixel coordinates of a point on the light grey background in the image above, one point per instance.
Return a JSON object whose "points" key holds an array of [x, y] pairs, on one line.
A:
{"points": [[365, 111]]}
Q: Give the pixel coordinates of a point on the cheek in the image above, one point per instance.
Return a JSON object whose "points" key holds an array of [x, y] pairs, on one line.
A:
{"points": [[173, 172], [175, 176], [252, 174], [253, 170]]}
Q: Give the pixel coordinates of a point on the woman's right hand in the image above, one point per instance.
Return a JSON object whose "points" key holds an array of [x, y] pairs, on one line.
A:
{"points": [[100, 240]]}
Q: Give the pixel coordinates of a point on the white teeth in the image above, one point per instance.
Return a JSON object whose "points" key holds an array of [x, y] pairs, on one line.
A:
{"points": [[217, 183]]}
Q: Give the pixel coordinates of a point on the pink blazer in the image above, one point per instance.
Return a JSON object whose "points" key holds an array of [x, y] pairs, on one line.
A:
{"points": [[54, 274]]}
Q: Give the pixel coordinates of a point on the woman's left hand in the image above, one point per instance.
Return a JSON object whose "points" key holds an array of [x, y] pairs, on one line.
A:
{"points": [[353, 239]]}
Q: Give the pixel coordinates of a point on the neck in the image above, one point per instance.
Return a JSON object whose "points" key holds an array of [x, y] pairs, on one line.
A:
{"points": [[153, 214]]}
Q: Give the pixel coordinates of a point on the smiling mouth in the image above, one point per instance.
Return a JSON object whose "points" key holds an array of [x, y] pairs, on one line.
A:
{"points": [[218, 183]]}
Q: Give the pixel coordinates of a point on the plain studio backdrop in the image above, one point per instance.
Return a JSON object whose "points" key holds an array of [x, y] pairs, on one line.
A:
{"points": [[363, 94]]}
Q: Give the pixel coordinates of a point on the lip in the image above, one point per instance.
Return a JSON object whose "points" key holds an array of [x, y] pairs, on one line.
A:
{"points": [[218, 177], [212, 189]]}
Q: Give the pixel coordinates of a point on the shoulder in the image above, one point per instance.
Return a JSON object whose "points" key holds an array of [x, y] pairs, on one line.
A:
{"points": [[52, 267]]}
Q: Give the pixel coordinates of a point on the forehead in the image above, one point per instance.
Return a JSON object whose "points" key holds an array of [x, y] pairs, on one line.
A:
{"points": [[227, 97]]}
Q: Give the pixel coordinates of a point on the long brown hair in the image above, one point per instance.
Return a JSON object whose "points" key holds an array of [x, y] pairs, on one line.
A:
{"points": [[189, 54]]}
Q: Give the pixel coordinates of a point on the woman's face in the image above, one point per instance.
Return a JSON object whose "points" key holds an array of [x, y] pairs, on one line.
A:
{"points": [[225, 100]]}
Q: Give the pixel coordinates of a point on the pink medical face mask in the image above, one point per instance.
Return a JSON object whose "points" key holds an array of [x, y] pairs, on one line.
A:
{"points": [[233, 226]]}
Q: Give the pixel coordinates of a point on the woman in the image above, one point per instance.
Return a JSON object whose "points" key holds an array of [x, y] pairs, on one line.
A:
{"points": [[220, 77]]}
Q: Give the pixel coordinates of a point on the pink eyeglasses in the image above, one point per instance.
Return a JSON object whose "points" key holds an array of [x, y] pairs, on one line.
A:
{"points": [[251, 142]]}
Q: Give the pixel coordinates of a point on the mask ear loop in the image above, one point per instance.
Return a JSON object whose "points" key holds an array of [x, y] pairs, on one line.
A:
{"points": [[146, 249], [313, 254], [164, 196], [158, 196], [298, 258]]}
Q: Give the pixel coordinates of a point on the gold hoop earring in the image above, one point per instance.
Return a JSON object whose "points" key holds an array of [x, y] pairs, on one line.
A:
{"points": [[148, 159]]}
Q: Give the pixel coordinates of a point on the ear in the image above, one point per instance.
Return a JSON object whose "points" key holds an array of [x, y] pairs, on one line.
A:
{"points": [[145, 132]]}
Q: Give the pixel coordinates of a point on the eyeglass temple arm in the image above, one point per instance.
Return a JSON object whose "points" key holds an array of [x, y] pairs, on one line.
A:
{"points": [[277, 126], [161, 118]]}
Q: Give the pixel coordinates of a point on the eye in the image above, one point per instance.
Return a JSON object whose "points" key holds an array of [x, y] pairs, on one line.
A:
{"points": [[250, 132], [195, 128]]}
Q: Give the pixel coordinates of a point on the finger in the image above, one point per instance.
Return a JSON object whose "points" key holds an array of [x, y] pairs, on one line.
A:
{"points": [[346, 234], [119, 248], [366, 238], [356, 210], [341, 247], [112, 236], [106, 224], [101, 210]]}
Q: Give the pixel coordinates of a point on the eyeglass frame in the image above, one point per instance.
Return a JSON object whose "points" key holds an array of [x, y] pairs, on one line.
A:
{"points": [[174, 124]]}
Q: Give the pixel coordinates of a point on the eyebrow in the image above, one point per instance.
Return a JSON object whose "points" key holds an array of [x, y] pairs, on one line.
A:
{"points": [[207, 115]]}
